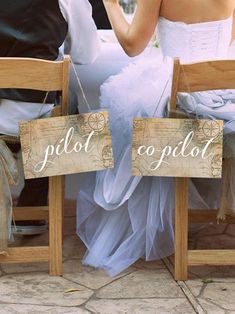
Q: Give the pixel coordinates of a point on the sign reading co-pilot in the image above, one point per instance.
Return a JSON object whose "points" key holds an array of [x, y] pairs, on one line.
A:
{"points": [[177, 148], [64, 145]]}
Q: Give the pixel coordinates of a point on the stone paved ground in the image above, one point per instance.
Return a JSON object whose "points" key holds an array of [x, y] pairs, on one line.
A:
{"points": [[144, 288]]}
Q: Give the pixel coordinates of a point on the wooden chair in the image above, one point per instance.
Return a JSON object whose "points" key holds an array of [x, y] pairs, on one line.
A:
{"points": [[40, 75], [211, 75]]}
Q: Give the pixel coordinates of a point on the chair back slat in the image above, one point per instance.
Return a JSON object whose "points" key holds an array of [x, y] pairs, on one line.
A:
{"points": [[209, 75], [202, 76], [30, 73]]}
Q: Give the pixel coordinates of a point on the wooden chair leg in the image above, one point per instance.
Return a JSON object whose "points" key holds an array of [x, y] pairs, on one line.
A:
{"points": [[181, 229], [56, 202]]}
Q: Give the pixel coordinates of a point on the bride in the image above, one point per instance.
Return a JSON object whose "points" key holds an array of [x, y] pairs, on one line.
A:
{"points": [[121, 218]]}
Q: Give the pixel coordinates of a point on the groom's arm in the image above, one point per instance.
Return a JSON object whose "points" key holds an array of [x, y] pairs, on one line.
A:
{"points": [[82, 41]]}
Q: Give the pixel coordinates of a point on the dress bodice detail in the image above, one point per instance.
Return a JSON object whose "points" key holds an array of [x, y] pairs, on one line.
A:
{"points": [[195, 42]]}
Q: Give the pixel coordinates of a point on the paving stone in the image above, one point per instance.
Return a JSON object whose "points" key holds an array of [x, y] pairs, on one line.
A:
{"points": [[142, 264], [145, 288], [222, 294], [216, 273], [222, 241], [73, 247], [210, 308], [195, 286], [41, 289], [142, 284], [143, 306], [35, 309], [224, 274], [89, 276]]}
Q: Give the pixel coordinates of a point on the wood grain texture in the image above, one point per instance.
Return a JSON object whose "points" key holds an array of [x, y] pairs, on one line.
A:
{"points": [[210, 75], [181, 228], [207, 216], [26, 255], [154, 138], [174, 87], [65, 83], [56, 204], [211, 257], [65, 138], [30, 213], [31, 74]]}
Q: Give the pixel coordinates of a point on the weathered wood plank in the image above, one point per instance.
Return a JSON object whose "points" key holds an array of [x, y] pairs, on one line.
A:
{"points": [[201, 76], [56, 203], [31, 213], [36, 74], [64, 145], [26, 255], [207, 216], [211, 257], [177, 148], [181, 229]]}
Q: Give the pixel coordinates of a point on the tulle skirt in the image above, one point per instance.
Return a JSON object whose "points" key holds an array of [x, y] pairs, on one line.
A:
{"points": [[122, 218]]}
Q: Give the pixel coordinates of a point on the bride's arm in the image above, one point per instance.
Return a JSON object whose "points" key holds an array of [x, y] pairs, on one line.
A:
{"points": [[134, 37]]}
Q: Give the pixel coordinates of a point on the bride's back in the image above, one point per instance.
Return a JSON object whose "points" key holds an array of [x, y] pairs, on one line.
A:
{"points": [[195, 11], [195, 30]]}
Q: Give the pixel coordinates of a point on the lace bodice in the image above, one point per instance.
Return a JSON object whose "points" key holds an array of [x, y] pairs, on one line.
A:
{"points": [[195, 42]]}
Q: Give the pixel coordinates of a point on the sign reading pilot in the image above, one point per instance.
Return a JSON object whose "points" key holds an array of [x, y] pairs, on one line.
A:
{"points": [[65, 145]]}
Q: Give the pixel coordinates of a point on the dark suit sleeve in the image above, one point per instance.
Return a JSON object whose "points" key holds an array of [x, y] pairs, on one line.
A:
{"points": [[99, 14]]}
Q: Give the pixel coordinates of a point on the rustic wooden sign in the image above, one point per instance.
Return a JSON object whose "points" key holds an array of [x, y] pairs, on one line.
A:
{"points": [[177, 148], [65, 145]]}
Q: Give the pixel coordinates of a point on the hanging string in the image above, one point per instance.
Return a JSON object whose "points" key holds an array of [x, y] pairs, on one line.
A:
{"points": [[80, 86], [43, 104], [163, 92]]}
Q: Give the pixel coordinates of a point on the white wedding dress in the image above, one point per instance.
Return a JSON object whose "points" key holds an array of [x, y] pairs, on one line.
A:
{"points": [[121, 218]]}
